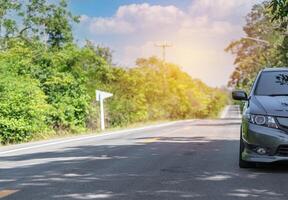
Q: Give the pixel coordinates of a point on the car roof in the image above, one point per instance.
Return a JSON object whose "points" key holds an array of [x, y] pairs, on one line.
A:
{"points": [[275, 69]]}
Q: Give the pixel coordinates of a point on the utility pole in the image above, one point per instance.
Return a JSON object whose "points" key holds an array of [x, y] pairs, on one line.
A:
{"points": [[163, 45]]}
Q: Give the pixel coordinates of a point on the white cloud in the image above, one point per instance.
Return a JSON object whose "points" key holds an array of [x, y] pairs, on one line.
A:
{"points": [[149, 14], [220, 8], [110, 26], [144, 17], [135, 17], [199, 34]]}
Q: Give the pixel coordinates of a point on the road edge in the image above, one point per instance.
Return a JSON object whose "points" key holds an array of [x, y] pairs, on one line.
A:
{"points": [[39, 144]]}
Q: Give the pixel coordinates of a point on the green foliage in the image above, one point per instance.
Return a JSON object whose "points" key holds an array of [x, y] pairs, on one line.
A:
{"points": [[23, 108], [48, 86], [35, 20], [60, 79], [265, 45], [154, 90], [279, 9]]}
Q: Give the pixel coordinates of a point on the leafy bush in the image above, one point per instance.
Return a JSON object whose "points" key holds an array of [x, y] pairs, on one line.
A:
{"points": [[63, 81], [23, 108]]}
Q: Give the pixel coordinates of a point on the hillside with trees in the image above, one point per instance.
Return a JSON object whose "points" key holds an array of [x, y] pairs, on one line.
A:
{"points": [[48, 81]]}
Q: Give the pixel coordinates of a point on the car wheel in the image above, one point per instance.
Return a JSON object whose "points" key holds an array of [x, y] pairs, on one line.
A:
{"points": [[243, 163]]}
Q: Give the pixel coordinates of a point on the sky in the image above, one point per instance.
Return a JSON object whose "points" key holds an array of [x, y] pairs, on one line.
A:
{"points": [[199, 31]]}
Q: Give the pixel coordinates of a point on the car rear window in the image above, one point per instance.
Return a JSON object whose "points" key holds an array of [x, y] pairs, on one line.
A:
{"points": [[272, 83]]}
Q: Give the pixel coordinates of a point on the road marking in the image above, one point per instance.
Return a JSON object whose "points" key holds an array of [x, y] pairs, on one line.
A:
{"points": [[92, 137], [231, 111], [150, 140], [5, 193], [239, 113], [224, 112]]}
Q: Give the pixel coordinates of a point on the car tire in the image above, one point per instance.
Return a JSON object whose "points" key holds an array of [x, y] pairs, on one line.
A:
{"points": [[243, 163]]}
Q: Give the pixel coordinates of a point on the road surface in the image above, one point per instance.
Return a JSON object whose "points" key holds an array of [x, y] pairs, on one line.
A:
{"points": [[194, 159]]}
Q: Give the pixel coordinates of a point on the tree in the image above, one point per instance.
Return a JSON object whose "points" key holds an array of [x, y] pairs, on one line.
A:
{"points": [[154, 90], [279, 9], [101, 51], [252, 55], [36, 20]]}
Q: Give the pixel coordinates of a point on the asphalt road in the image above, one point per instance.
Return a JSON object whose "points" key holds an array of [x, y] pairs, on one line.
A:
{"points": [[195, 159]]}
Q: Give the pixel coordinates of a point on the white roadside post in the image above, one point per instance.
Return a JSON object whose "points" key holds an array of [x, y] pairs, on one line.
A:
{"points": [[100, 96]]}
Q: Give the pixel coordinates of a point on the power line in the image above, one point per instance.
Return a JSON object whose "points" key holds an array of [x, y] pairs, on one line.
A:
{"points": [[163, 45]]}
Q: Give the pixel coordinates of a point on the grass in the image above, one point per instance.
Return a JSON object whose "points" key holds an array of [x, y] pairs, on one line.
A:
{"points": [[65, 134]]}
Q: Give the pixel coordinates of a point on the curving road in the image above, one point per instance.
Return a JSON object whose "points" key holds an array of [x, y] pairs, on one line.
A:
{"points": [[195, 159]]}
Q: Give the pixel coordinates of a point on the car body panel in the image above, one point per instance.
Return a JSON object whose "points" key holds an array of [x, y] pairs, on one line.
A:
{"points": [[260, 136]]}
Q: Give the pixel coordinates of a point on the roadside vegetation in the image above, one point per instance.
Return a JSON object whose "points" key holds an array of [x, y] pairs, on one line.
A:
{"points": [[265, 43], [48, 81]]}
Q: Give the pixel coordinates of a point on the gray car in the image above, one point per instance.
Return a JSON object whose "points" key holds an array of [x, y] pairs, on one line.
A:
{"points": [[264, 129]]}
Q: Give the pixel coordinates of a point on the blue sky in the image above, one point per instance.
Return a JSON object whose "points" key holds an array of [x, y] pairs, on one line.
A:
{"points": [[106, 8], [198, 29]]}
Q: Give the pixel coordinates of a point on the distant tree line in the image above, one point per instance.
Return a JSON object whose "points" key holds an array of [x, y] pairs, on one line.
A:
{"points": [[48, 82]]}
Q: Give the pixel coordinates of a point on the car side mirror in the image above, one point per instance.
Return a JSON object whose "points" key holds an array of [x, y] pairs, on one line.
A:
{"points": [[239, 95]]}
